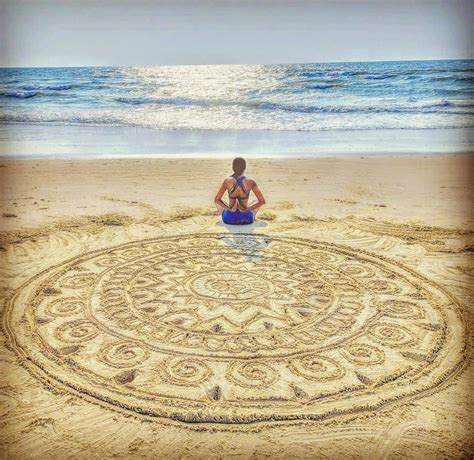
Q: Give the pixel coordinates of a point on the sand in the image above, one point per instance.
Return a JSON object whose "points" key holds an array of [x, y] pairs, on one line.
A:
{"points": [[135, 324]]}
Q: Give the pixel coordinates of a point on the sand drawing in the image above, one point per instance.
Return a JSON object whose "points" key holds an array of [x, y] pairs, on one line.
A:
{"points": [[234, 231], [188, 328]]}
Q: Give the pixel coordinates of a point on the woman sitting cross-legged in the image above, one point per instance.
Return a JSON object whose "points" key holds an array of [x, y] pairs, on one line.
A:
{"points": [[238, 186]]}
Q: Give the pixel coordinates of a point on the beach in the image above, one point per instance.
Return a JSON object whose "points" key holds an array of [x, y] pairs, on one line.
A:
{"points": [[431, 190], [351, 338], [136, 323]]}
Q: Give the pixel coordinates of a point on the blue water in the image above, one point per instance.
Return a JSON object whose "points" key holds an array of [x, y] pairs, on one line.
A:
{"points": [[367, 95], [324, 97]]}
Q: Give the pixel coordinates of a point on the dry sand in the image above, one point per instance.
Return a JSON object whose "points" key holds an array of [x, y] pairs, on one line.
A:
{"points": [[337, 326]]}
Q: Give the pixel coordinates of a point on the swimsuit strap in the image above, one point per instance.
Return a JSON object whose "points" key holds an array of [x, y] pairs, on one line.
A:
{"points": [[239, 182]]}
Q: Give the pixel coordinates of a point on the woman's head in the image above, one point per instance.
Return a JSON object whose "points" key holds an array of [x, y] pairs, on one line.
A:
{"points": [[239, 165]]}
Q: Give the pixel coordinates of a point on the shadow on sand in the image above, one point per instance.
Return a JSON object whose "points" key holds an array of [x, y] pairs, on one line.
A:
{"points": [[241, 237]]}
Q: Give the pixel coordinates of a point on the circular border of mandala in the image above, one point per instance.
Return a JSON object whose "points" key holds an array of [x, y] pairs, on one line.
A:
{"points": [[172, 411]]}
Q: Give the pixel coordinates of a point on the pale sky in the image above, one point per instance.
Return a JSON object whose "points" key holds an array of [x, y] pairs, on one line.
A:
{"points": [[145, 32]]}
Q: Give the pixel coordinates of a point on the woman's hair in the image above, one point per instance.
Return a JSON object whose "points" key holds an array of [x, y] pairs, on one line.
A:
{"points": [[239, 165]]}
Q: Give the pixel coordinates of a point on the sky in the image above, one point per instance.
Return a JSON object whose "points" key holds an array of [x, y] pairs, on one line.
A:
{"points": [[145, 32]]}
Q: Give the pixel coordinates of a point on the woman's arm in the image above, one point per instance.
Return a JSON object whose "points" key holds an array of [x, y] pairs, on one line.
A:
{"points": [[218, 199], [260, 198]]}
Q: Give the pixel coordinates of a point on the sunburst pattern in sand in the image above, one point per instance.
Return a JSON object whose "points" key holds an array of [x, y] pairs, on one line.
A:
{"points": [[194, 328]]}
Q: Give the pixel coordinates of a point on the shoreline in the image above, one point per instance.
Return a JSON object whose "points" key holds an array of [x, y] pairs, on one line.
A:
{"points": [[72, 141], [224, 156]]}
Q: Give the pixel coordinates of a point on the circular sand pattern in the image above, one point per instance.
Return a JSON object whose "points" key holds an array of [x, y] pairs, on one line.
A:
{"points": [[194, 328]]}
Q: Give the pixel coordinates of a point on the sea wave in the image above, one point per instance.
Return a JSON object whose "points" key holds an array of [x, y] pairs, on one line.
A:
{"points": [[62, 87], [380, 76], [20, 94], [333, 73], [29, 94], [370, 95], [442, 106], [107, 119], [164, 101], [329, 85]]}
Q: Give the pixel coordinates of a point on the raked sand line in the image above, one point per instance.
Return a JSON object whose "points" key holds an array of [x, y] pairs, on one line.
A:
{"points": [[237, 330]]}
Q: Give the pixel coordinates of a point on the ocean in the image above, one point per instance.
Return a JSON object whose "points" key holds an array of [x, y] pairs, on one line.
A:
{"points": [[294, 109]]}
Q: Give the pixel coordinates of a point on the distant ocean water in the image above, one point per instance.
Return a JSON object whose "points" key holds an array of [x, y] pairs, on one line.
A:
{"points": [[335, 97]]}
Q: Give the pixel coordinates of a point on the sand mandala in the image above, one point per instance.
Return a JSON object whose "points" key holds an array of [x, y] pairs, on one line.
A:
{"points": [[192, 329]]}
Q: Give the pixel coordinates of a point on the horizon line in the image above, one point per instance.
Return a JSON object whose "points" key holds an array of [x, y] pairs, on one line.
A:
{"points": [[233, 64]]}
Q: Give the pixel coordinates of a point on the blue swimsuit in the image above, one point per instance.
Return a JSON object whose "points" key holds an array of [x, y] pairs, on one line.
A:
{"points": [[238, 217]]}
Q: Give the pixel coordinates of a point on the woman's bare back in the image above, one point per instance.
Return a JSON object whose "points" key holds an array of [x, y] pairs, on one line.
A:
{"points": [[238, 188], [237, 192]]}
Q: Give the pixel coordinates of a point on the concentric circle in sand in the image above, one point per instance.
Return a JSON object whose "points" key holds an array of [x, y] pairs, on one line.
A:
{"points": [[192, 328]]}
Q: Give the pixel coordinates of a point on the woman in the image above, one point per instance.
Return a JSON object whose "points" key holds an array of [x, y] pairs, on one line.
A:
{"points": [[238, 211]]}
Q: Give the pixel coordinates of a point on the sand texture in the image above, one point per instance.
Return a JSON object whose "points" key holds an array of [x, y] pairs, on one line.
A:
{"points": [[137, 325]]}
